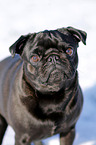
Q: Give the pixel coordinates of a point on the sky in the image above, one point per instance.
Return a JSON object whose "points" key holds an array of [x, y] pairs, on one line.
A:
{"points": [[20, 17]]}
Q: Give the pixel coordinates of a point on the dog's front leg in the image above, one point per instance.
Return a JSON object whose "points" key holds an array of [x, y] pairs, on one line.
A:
{"points": [[22, 140], [38, 143], [26, 143], [3, 127], [68, 139], [21, 143]]}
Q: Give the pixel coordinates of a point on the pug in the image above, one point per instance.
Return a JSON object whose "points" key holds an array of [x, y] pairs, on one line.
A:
{"points": [[40, 94]]}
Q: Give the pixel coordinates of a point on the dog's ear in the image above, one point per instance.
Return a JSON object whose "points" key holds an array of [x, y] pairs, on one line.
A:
{"points": [[18, 46], [78, 34]]}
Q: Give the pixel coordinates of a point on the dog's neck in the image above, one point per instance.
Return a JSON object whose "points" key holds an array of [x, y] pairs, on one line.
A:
{"points": [[35, 100]]}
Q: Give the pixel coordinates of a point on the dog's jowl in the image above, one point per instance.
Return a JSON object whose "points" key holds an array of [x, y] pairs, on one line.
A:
{"points": [[39, 91]]}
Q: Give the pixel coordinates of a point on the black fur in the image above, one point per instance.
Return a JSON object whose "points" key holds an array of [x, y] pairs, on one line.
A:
{"points": [[39, 91]]}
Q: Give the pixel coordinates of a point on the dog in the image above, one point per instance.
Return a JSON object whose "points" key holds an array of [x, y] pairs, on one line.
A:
{"points": [[39, 91]]}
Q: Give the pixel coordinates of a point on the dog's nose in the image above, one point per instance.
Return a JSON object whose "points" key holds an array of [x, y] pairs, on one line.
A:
{"points": [[53, 59]]}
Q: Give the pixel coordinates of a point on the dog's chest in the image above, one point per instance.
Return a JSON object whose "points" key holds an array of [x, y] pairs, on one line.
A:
{"points": [[39, 132], [49, 120], [43, 130], [45, 120], [46, 128]]}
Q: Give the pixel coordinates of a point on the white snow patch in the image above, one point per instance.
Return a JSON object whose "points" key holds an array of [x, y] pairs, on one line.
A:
{"points": [[20, 17]]}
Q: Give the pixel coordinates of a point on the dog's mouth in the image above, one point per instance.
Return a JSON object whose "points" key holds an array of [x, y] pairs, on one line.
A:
{"points": [[54, 81], [55, 76]]}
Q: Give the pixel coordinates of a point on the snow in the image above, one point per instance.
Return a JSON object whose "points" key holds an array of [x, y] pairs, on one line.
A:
{"points": [[20, 17]]}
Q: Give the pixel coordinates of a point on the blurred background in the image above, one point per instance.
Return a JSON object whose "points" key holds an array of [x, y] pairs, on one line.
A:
{"points": [[20, 17]]}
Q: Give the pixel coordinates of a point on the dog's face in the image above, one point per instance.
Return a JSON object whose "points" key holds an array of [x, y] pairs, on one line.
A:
{"points": [[50, 57]]}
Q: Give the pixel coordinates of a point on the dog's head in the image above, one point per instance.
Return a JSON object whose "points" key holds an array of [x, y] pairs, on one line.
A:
{"points": [[50, 57]]}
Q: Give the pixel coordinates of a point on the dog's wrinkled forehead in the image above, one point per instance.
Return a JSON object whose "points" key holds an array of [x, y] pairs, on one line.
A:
{"points": [[51, 39]]}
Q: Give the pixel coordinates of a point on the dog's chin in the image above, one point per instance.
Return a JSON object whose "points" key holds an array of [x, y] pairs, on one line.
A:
{"points": [[52, 83], [49, 88]]}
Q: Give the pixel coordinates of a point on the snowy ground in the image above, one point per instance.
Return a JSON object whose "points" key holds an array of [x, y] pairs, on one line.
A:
{"points": [[19, 17]]}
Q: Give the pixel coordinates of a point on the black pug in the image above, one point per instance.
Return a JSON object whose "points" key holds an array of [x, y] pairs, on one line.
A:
{"points": [[39, 91]]}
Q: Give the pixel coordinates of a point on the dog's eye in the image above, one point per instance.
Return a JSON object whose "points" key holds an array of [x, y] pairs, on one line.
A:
{"points": [[35, 58], [69, 51]]}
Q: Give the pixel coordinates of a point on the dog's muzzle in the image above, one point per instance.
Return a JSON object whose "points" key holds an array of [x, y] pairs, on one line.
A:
{"points": [[53, 59], [53, 71]]}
